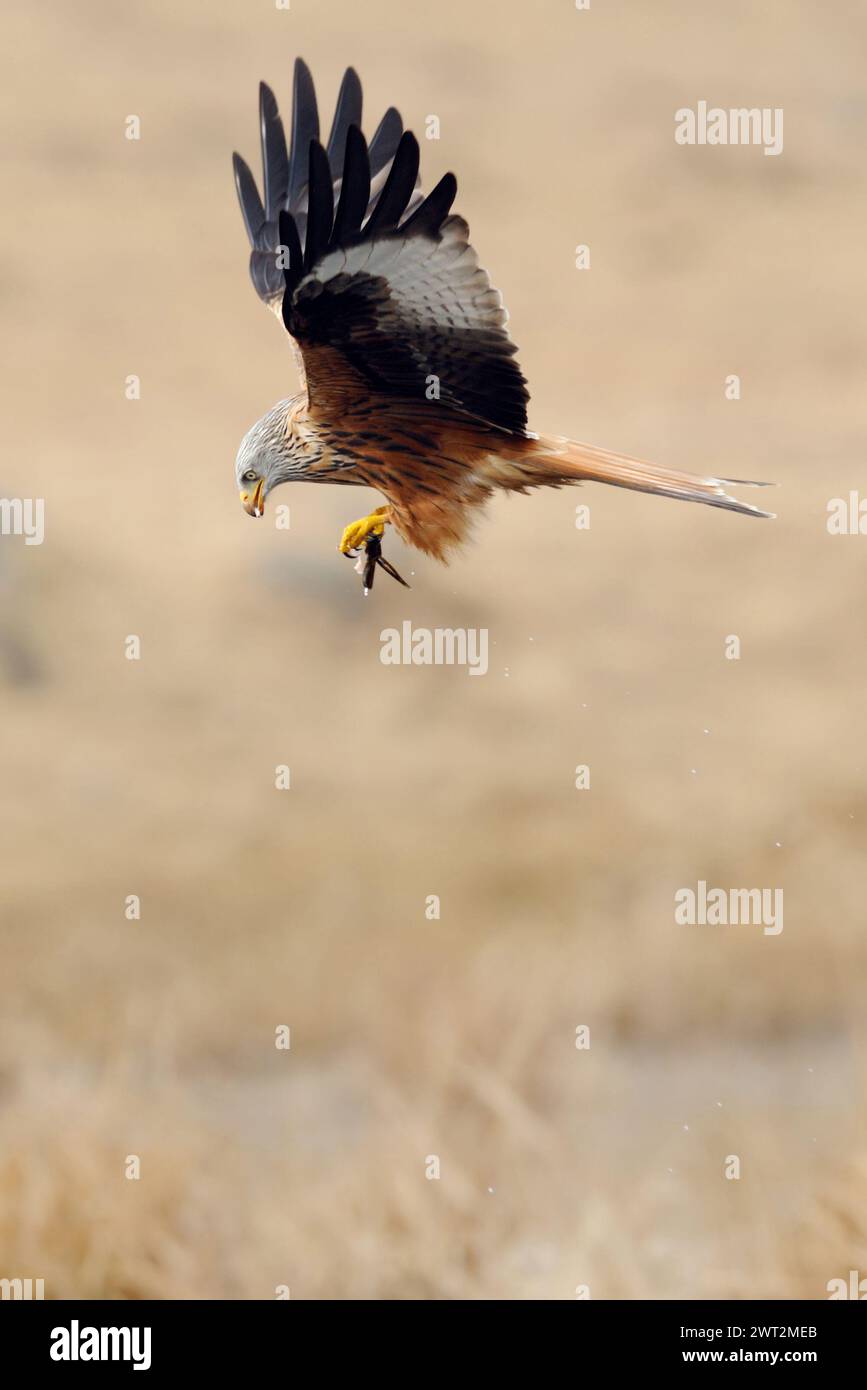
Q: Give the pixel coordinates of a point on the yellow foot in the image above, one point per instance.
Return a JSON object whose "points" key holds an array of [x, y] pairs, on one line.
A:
{"points": [[357, 532]]}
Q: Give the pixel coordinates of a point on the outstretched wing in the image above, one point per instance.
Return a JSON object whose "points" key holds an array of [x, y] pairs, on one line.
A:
{"points": [[396, 296], [286, 172], [379, 287]]}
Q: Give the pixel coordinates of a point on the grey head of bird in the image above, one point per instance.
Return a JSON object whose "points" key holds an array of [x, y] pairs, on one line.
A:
{"points": [[271, 452]]}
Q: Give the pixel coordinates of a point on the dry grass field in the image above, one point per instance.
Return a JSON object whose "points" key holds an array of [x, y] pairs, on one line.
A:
{"points": [[455, 1037]]}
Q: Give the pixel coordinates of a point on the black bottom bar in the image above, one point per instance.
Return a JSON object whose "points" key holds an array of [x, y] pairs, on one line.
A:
{"points": [[67, 1338]]}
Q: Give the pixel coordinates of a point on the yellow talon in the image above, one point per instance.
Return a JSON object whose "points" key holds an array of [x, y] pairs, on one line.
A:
{"points": [[357, 532]]}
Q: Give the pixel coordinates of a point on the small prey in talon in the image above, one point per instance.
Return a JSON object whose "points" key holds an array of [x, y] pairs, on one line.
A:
{"points": [[369, 531], [410, 383]]}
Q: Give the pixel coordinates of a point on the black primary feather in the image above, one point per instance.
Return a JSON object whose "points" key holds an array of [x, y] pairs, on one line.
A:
{"points": [[392, 201], [347, 113], [436, 207], [275, 162], [290, 239], [386, 139], [248, 196], [355, 189], [305, 127], [320, 213]]}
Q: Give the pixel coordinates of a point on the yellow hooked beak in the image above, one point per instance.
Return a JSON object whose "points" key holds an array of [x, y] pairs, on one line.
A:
{"points": [[252, 501]]}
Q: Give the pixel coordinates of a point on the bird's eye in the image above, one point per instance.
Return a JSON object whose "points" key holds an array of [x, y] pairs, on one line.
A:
{"points": [[249, 476]]}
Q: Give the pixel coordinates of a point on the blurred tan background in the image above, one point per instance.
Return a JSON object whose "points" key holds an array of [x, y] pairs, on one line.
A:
{"points": [[454, 1037]]}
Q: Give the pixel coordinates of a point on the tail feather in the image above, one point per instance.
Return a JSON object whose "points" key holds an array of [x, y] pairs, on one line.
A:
{"points": [[566, 461]]}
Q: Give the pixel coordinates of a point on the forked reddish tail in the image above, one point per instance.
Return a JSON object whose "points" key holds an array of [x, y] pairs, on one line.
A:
{"points": [[564, 461]]}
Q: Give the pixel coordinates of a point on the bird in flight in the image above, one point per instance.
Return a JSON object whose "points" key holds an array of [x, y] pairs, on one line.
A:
{"points": [[409, 378]]}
